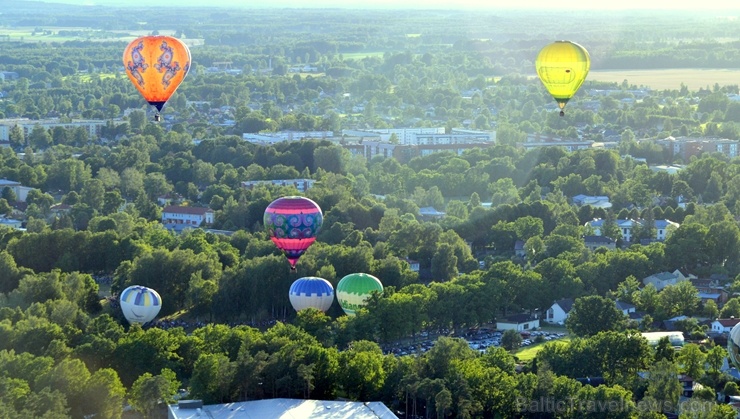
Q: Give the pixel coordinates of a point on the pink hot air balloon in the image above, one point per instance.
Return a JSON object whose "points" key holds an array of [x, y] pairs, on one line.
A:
{"points": [[293, 223]]}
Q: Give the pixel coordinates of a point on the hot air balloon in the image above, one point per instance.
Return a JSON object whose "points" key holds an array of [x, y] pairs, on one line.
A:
{"points": [[733, 345], [140, 304], [156, 66], [311, 292], [354, 290], [293, 223], [562, 67]]}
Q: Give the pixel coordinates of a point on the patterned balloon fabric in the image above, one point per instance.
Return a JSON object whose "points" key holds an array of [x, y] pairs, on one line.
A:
{"points": [[293, 223]]}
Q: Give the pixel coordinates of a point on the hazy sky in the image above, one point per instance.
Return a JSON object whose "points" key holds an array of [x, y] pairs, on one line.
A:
{"points": [[715, 5]]}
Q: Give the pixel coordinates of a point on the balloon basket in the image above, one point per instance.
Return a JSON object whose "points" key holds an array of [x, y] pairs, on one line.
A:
{"points": [[562, 113], [157, 117]]}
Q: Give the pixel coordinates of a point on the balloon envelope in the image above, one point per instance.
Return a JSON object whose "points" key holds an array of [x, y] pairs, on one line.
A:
{"points": [[733, 345], [311, 292], [562, 67], [354, 290], [156, 66], [140, 304], [293, 223]]}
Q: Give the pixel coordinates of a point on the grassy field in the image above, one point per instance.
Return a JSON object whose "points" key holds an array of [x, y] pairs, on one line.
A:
{"points": [[529, 352], [52, 34], [693, 78], [86, 78], [361, 55]]}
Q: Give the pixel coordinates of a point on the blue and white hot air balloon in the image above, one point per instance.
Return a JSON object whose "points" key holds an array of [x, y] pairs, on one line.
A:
{"points": [[313, 292], [140, 304]]}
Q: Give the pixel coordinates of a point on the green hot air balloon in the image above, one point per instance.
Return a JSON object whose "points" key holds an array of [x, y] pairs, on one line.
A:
{"points": [[562, 67], [354, 290]]}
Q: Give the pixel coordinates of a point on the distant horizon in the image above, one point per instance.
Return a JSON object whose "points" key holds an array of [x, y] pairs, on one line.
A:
{"points": [[545, 5]]}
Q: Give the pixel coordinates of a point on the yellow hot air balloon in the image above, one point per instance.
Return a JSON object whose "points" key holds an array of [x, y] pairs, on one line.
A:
{"points": [[562, 67], [156, 66]]}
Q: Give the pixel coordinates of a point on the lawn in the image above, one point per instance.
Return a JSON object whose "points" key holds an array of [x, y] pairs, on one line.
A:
{"points": [[361, 55], [528, 353], [693, 78]]}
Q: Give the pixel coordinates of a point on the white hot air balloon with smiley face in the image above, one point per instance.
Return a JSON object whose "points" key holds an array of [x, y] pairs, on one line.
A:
{"points": [[140, 304]]}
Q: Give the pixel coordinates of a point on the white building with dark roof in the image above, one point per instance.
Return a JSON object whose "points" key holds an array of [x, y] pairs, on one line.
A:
{"points": [[664, 279], [93, 127], [20, 191], [518, 322], [178, 218], [724, 325], [302, 185], [663, 228]]}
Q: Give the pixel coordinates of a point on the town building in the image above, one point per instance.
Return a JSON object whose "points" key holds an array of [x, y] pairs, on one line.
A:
{"points": [[534, 141], [279, 137], [594, 242], [664, 279], [561, 309], [663, 228], [724, 325], [686, 147], [20, 191], [518, 322], [422, 136], [93, 127], [302, 185], [178, 218]]}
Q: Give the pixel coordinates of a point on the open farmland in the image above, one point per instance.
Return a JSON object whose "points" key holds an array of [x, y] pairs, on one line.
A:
{"points": [[693, 78]]}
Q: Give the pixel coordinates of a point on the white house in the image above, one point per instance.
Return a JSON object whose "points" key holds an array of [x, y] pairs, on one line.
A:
{"points": [[20, 191], [663, 228], [663, 279], [518, 322], [413, 264], [594, 242], [177, 217], [558, 311], [625, 308], [724, 325]]}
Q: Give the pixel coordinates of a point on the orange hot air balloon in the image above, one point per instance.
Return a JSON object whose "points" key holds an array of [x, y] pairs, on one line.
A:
{"points": [[156, 66]]}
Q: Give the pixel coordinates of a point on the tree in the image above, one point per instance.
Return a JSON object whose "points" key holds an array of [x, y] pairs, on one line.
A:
{"points": [[361, 371], [16, 137], [715, 358], [104, 394], [664, 389], [691, 359], [93, 194], [148, 391], [731, 309], [681, 298], [593, 314], [511, 340], [8, 194], [664, 350], [444, 263], [213, 376], [39, 138]]}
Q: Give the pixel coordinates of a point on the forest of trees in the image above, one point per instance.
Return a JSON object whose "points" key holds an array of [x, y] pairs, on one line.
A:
{"points": [[67, 352]]}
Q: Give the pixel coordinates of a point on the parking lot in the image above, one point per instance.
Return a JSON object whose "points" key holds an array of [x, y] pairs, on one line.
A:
{"points": [[479, 340]]}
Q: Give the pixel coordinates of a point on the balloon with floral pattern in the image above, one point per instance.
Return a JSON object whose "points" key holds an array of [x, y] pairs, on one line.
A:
{"points": [[293, 223]]}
